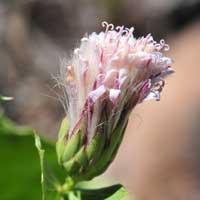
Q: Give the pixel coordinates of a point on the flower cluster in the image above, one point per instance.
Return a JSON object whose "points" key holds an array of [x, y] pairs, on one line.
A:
{"points": [[107, 76]]}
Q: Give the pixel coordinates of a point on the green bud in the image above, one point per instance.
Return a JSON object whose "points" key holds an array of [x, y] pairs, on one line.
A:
{"points": [[108, 153], [72, 147], [84, 161], [62, 139]]}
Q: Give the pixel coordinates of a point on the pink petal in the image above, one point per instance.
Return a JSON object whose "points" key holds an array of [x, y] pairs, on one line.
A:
{"points": [[114, 95], [96, 94]]}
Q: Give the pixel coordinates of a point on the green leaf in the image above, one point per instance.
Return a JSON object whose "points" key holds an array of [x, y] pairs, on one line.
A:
{"points": [[114, 192], [3, 98], [49, 181], [20, 170], [119, 195], [74, 196], [10, 128], [41, 155]]}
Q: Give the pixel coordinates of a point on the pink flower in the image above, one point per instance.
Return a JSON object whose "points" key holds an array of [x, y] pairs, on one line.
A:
{"points": [[107, 76], [112, 72]]}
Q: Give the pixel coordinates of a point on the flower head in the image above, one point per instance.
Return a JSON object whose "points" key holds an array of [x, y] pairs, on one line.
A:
{"points": [[108, 75]]}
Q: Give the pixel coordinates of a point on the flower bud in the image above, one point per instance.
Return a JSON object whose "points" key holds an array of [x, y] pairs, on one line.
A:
{"points": [[105, 79]]}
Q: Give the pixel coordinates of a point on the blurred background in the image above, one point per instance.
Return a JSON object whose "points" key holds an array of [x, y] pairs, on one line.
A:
{"points": [[160, 155]]}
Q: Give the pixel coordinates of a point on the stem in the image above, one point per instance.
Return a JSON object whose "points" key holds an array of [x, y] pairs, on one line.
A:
{"points": [[67, 187], [74, 195]]}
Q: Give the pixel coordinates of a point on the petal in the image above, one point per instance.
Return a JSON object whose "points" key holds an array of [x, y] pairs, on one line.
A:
{"points": [[114, 94], [96, 94], [110, 78]]}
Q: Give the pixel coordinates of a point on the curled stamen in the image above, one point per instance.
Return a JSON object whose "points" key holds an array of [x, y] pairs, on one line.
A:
{"points": [[163, 45], [104, 24], [166, 47], [162, 42], [125, 31], [111, 27], [120, 30], [108, 26]]}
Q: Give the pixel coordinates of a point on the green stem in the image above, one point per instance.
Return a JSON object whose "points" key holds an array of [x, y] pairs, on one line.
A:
{"points": [[67, 187], [74, 195]]}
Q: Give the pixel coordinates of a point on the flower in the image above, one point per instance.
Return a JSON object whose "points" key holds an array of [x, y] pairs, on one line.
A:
{"points": [[108, 75]]}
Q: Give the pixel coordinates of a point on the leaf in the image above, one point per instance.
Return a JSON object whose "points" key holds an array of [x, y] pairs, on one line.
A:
{"points": [[74, 196], [41, 155], [3, 98], [49, 181], [10, 128], [114, 192], [120, 194], [20, 169]]}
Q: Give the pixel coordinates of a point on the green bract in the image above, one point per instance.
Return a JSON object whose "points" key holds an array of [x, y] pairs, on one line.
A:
{"points": [[85, 161]]}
